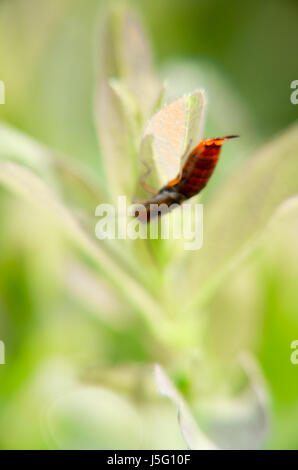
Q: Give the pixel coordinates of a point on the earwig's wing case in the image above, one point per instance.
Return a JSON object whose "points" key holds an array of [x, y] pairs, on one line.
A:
{"points": [[177, 127]]}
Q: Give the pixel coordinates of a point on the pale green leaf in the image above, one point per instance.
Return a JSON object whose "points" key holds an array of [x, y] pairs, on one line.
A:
{"points": [[193, 436], [18, 147], [176, 129], [130, 106], [116, 142], [241, 421], [228, 113], [96, 294], [196, 110], [242, 207], [52, 166], [286, 213], [32, 189], [88, 417], [127, 94], [138, 70]]}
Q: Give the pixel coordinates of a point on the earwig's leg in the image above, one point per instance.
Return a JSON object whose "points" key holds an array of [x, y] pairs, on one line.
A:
{"points": [[148, 188], [140, 201], [142, 181], [179, 177]]}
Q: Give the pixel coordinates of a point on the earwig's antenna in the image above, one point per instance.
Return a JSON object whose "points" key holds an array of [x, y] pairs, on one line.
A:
{"points": [[145, 175], [144, 185], [232, 137]]}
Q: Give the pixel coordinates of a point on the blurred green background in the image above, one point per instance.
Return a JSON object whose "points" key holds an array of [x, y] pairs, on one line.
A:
{"points": [[244, 54]]}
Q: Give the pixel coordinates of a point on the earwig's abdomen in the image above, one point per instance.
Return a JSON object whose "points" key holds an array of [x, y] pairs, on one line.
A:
{"points": [[196, 173], [198, 168]]}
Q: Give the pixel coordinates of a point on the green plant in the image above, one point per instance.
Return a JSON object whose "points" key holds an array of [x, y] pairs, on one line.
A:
{"points": [[148, 299]]}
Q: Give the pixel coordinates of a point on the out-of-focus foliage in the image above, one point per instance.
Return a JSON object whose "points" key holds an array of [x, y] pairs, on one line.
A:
{"points": [[84, 321]]}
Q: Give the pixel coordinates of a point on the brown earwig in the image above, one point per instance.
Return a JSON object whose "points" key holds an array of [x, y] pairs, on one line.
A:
{"points": [[192, 178]]}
